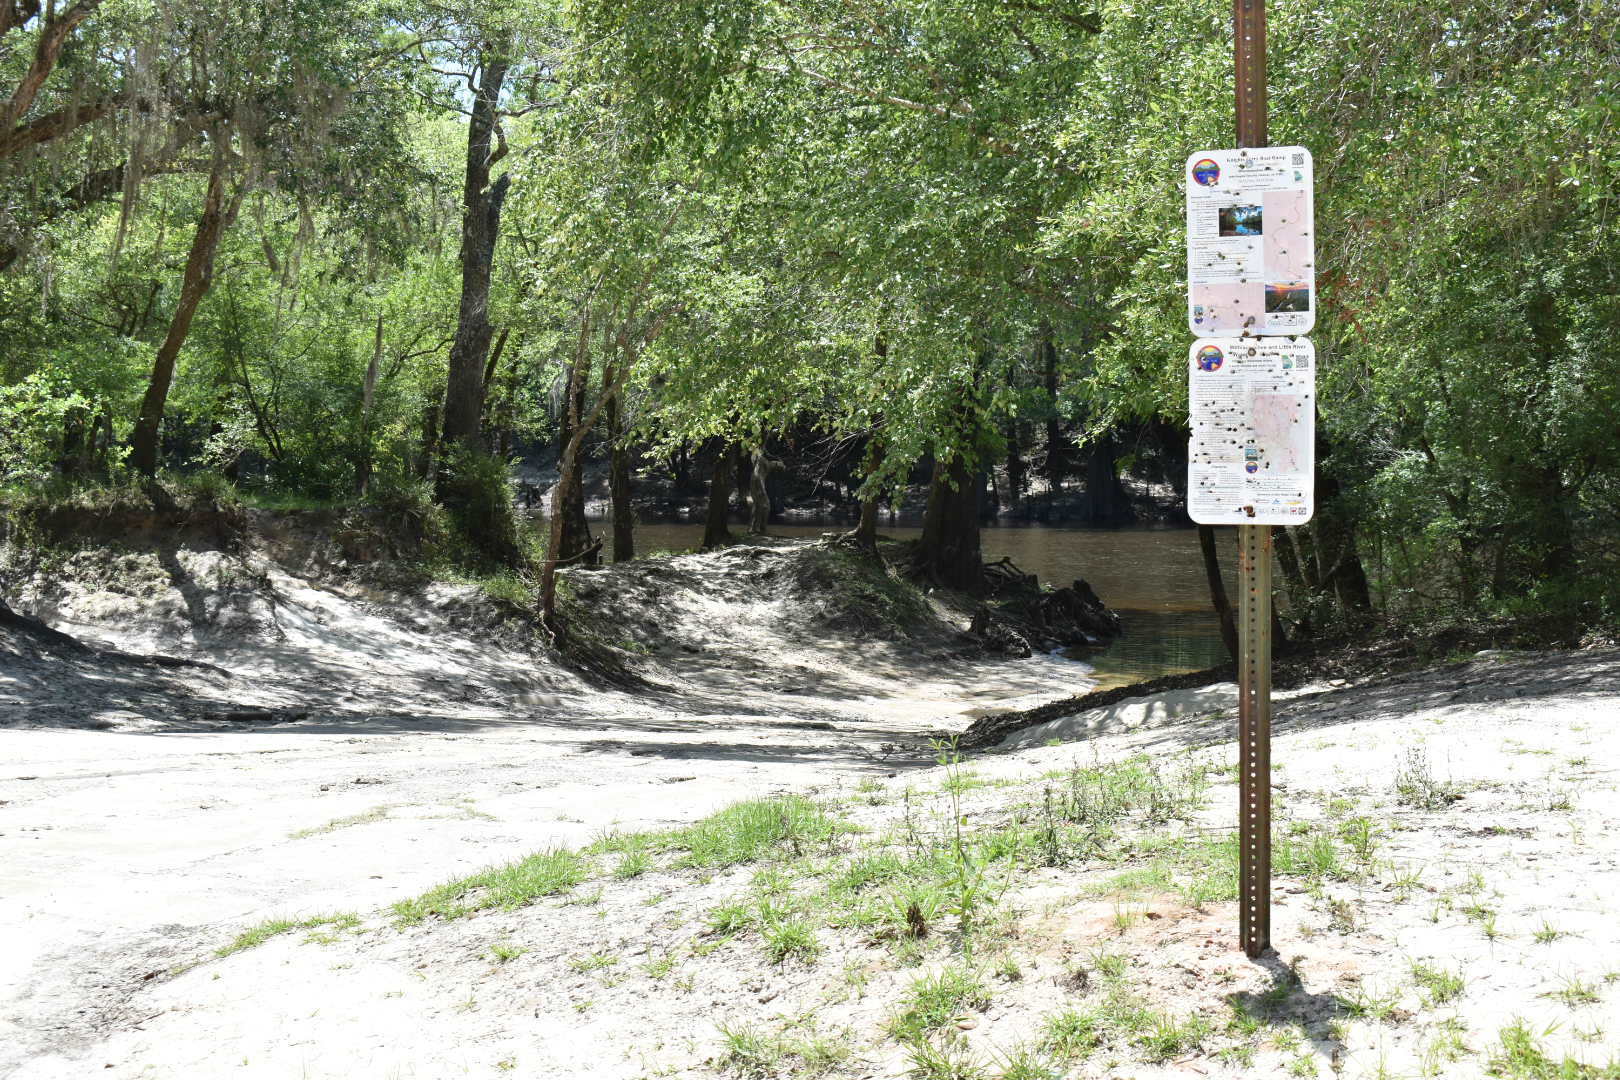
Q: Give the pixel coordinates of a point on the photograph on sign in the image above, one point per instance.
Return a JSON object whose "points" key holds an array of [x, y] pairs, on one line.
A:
{"points": [[1252, 456], [1251, 263]]}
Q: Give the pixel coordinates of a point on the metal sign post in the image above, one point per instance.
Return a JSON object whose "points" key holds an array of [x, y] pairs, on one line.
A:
{"points": [[1254, 573]]}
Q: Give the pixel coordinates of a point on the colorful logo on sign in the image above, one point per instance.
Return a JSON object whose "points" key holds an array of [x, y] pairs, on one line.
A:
{"points": [[1210, 358], [1206, 172]]}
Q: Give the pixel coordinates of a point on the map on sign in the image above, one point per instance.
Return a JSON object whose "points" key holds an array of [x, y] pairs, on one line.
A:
{"points": [[1252, 457], [1251, 262]]}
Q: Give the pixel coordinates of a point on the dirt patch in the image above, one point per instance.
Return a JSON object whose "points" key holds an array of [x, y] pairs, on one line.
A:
{"points": [[1445, 860], [341, 736]]}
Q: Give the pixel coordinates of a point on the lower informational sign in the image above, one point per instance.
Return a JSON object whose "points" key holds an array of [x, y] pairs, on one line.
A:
{"points": [[1252, 458], [1251, 262]]}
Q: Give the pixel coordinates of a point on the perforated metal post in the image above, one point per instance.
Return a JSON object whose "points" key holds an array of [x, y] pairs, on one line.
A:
{"points": [[1254, 737], [1254, 573], [1249, 61]]}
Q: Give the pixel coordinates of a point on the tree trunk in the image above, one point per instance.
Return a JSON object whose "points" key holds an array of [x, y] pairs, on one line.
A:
{"points": [[1217, 590], [759, 496], [480, 223], [866, 529], [948, 549], [680, 467], [624, 540], [865, 535], [1339, 564], [1547, 532], [368, 394], [198, 276], [575, 535], [716, 529], [494, 431], [1016, 480], [430, 442], [1288, 559], [1106, 501], [1057, 458]]}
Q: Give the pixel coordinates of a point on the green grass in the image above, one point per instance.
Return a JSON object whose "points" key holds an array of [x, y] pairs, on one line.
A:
{"points": [[1519, 1056], [502, 952], [1575, 993], [595, 961], [1072, 1034], [366, 817], [544, 874], [788, 938], [257, 935], [789, 826], [748, 831], [1439, 986], [757, 1054], [632, 864], [936, 1000]]}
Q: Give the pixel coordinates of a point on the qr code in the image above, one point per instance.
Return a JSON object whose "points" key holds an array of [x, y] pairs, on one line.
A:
{"points": [[1299, 159]]}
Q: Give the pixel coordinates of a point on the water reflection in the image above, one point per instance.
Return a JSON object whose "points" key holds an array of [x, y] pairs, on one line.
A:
{"points": [[1154, 578]]}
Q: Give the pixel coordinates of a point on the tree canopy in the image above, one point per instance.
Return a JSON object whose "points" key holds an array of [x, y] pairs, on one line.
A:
{"points": [[323, 248]]}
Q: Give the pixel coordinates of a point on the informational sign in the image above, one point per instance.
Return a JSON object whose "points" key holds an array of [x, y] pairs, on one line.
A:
{"points": [[1251, 262], [1252, 458]]}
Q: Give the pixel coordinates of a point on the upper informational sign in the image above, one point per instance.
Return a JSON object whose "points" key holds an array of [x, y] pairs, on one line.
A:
{"points": [[1252, 457], [1251, 262]]}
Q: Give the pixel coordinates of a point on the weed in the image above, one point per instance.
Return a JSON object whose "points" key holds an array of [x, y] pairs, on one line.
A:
{"points": [[936, 1000], [1416, 786], [1366, 1005], [258, 935], [632, 864], [1127, 915], [945, 1059], [785, 938], [1547, 934], [1071, 1034], [1028, 1063], [751, 1052], [595, 961], [1165, 1037], [376, 813], [1109, 965], [1439, 986], [1407, 879], [1363, 836], [1575, 993], [1343, 916], [1519, 1056], [503, 952]]}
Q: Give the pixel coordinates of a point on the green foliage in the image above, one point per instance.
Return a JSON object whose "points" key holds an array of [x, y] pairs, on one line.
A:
{"points": [[476, 492]]}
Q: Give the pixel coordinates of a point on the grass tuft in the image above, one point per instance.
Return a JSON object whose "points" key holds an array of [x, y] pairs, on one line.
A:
{"points": [[546, 873]]}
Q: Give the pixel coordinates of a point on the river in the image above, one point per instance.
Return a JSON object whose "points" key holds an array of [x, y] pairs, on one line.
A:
{"points": [[1154, 578]]}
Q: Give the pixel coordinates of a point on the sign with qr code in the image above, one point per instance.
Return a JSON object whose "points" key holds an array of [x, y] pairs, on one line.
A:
{"points": [[1251, 244], [1251, 408]]}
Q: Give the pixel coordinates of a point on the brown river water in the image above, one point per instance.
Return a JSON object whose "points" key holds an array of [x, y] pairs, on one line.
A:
{"points": [[1154, 578]]}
